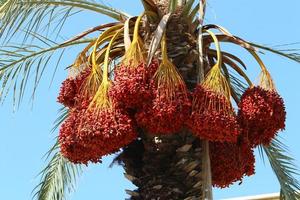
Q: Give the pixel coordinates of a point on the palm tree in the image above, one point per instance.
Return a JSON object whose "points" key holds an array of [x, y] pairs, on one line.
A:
{"points": [[169, 167]]}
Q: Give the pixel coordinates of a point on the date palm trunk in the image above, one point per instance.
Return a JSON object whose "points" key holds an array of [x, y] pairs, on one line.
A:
{"points": [[169, 167], [165, 168]]}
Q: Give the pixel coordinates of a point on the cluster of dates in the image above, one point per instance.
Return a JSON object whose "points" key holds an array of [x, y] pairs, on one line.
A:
{"points": [[155, 98]]}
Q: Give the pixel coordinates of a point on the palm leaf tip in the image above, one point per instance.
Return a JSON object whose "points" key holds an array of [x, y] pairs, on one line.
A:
{"points": [[58, 179], [40, 15], [19, 62], [291, 53], [284, 168]]}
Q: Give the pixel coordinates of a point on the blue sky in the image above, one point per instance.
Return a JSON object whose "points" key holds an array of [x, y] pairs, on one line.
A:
{"points": [[25, 134]]}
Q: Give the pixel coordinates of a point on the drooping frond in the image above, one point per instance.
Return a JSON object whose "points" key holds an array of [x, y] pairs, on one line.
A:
{"points": [[59, 177], [62, 115], [19, 63], [284, 168], [292, 54], [149, 6], [237, 85], [39, 15]]}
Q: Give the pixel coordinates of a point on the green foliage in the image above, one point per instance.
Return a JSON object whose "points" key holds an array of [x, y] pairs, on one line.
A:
{"points": [[37, 15], [62, 116], [173, 5], [19, 62], [290, 53], [188, 7], [284, 168], [35, 20], [59, 177]]}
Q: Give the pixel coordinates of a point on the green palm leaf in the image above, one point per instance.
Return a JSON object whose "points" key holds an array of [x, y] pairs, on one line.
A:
{"points": [[59, 177], [284, 168], [62, 116], [37, 15], [292, 54], [19, 62]]}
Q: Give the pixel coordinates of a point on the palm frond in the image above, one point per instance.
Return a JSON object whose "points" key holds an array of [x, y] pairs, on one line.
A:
{"points": [[38, 15], [284, 168], [59, 177], [187, 7], [237, 85], [149, 6], [173, 5], [292, 54], [158, 34], [18, 63], [63, 114], [193, 13]]}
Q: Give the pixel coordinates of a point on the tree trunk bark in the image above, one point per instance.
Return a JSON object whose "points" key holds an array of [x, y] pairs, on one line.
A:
{"points": [[169, 167], [164, 168]]}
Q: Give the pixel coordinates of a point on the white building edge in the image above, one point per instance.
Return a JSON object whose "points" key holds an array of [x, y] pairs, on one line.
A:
{"points": [[273, 196]]}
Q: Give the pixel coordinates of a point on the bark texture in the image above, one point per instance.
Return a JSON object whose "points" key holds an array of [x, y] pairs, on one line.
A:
{"points": [[165, 168]]}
